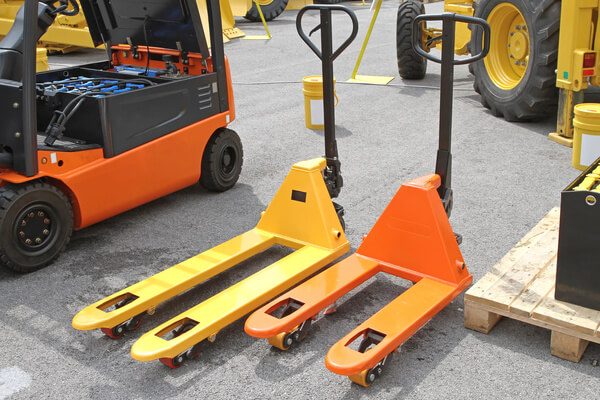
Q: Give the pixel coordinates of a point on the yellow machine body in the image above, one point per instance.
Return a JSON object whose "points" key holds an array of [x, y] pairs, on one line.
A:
{"points": [[41, 61], [579, 36], [66, 34], [69, 33], [301, 216], [463, 33]]}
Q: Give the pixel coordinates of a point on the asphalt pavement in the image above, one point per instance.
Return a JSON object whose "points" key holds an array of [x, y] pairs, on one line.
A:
{"points": [[506, 177]]}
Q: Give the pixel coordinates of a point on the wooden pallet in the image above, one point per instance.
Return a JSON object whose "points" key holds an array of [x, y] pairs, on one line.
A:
{"points": [[521, 286]]}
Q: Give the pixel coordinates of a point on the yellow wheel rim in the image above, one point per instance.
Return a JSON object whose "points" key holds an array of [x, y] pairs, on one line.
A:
{"points": [[264, 2], [508, 58]]}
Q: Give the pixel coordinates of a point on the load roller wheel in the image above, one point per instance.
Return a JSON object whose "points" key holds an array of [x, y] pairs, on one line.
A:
{"points": [[116, 332], [176, 362], [173, 363], [365, 378], [283, 341], [134, 323], [193, 351]]}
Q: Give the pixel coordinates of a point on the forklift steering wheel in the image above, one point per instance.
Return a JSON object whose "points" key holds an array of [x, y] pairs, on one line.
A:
{"points": [[62, 7]]}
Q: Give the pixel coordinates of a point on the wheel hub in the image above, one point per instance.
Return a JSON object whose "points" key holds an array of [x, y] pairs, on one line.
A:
{"points": [[34, 227], [228, 160], [508, 58], [519, 46]]}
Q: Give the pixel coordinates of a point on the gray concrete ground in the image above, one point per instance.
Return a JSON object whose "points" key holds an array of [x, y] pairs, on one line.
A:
{"points": [[507, 176]]}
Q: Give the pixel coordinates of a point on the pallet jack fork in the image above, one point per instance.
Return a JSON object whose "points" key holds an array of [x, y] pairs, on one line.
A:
{"points": [[301, 216], [412, 239]]}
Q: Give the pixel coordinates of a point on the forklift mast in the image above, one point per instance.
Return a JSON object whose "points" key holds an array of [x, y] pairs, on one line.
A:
{"points": [[18, 134]]}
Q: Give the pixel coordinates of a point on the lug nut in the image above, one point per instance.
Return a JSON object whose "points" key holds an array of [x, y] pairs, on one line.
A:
{"points": [[23, 223], [38, 240], [31, 215], [27, 241], [46, 221], [40, 213], [46, 232], [22, 234]]}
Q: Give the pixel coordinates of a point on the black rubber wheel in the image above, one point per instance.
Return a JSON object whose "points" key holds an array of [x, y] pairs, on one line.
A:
{"points": [[271, 9], [36, 223], [411, 65], [370, 377], [518, 82], [339, 210], [222, 161]]}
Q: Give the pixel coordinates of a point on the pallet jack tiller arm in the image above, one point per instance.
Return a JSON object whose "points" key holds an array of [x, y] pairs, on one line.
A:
{"points": [[332, 174], [443, 164]]}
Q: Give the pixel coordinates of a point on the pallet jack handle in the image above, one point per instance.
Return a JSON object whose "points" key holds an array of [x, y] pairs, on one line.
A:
{"points": [[332, 174], [443, 164]]}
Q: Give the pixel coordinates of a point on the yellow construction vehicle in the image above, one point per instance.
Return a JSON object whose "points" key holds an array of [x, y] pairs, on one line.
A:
{"points": [[67, 31], [543, 54], [71, 32]]}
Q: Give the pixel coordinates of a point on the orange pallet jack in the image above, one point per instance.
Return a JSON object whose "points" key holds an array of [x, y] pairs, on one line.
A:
{"points": [[301, 216], [412, 239]]}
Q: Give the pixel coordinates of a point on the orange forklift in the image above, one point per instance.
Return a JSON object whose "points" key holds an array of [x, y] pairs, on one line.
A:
{"points": [[82, 144]]}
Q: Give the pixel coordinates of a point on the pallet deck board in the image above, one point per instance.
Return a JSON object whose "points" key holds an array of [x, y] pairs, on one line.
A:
{"points": [[521, 286], [568, 315], [536, 291]]}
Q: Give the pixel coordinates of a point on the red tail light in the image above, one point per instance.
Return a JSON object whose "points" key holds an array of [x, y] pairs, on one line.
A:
{"points": [[589, 60]]}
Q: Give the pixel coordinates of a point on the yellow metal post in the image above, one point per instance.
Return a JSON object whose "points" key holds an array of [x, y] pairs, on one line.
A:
{"points": [[262, 18], [378, 80], [567, 99], [578, 21]]}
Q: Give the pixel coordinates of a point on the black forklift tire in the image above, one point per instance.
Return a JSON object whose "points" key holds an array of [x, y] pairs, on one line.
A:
{"points": [[36, 223], [535, 95], [411, 65], [222, 161], [271, 9]]}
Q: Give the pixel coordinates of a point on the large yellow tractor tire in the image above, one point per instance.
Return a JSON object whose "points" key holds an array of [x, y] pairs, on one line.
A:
{"points": [[410, 64], [517, 79], [271, 9]]}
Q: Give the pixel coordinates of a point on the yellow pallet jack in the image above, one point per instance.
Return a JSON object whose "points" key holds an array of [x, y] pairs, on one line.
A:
{"points": [[301, 216], [412, 239]]}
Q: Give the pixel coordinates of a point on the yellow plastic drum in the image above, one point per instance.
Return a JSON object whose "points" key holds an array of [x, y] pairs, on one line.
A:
{"points": [[313, 101], [586, 135]]}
